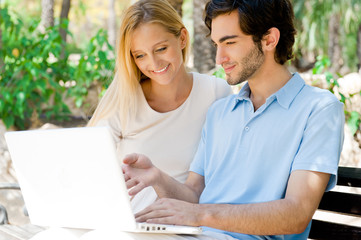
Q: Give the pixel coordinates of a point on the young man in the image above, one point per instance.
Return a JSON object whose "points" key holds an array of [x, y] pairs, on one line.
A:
{"points": [[268, 153]]}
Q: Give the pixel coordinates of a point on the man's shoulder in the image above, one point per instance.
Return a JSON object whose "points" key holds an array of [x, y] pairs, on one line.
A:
{"points": [[223, 104], [317, 96]]}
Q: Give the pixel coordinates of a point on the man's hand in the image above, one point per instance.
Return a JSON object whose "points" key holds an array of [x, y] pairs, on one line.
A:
{"points": [[139, 173], [171, 211]]}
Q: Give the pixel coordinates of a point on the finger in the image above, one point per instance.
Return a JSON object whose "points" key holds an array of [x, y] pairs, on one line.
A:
{"points": [[126, 177], [131, 158], [157, 205], [151, 216], [170, 220], [131, 183], [136, 189], [126, 169], [154, 206]]}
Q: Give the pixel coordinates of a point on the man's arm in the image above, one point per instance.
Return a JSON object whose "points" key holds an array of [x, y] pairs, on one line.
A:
{"points": [[290, 215], [139, 172]]}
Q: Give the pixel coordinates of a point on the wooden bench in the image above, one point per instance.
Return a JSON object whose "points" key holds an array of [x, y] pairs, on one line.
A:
{"points": [[342, 203]]}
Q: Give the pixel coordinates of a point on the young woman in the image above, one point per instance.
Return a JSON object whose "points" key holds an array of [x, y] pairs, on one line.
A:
{"points": [[154, 106]]}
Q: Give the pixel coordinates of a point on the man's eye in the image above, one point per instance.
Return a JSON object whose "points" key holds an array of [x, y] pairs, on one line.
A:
{"points": [[230, 43]]}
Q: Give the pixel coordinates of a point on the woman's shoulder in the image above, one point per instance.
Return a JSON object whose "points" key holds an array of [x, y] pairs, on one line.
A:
{"points": [[212, 84], [203, 77], [210, 80]]}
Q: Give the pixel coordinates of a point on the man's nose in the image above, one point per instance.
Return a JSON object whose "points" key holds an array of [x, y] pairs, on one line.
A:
{"points": [[221, 56]]}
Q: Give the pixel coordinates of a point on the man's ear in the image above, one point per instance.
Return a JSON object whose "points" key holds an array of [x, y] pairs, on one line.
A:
{"points": [[270, 39], [183, 37]]}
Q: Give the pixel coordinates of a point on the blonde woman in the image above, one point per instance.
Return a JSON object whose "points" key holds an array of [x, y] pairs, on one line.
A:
{"points": [[154, 106]]}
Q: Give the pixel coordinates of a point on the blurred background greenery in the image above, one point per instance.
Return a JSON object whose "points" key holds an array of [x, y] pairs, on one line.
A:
{"points": [[55, 53]]}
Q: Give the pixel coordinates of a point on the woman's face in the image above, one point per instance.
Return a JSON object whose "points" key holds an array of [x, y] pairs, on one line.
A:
{"points": [[158, 53]]}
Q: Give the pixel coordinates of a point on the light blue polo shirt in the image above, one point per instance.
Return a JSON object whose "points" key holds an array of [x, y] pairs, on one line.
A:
{"points": [[247, 156]]}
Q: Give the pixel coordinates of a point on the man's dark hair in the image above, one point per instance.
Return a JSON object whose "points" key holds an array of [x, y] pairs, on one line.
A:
{"points": [[256, 17]]}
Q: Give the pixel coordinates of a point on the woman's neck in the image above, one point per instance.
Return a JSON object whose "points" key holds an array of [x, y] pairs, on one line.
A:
{"points": [[165, 98]]}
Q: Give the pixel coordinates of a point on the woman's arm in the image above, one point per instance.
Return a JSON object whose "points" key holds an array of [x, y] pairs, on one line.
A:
{"points": [[139, 172]]}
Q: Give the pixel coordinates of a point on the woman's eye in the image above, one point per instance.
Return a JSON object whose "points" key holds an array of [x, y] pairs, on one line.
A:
{"points": [[139, 56], [161, 49]]}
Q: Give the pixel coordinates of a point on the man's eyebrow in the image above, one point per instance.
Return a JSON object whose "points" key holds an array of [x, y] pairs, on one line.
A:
{"points": [[225, 38]]}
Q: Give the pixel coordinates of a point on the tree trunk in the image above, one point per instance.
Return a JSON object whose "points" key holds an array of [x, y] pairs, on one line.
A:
{"points": [[359, 47], [177, 4], [334, 47], [47, 14], [112, 23], [203, 49], [65, 8], [64, 15]]}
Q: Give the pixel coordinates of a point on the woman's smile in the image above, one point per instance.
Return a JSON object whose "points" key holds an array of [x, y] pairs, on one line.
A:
{"points": [[163, 70]]}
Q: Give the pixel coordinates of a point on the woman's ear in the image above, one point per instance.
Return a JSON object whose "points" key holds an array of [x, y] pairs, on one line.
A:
{"points": [[183, 37], [270, 39]]}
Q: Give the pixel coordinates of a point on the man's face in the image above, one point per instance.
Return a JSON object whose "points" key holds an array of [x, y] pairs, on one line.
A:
{"points": [[236, 52]]}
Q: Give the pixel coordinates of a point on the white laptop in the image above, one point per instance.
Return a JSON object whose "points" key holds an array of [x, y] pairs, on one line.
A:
{"points": [[72, 178]]}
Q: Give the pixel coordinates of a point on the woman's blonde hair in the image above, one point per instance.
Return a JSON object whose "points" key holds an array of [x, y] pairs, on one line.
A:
{"points": [[121, 96]]}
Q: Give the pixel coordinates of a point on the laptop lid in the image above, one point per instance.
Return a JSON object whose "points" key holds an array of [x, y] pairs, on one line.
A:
{"points": [[71, 178]]}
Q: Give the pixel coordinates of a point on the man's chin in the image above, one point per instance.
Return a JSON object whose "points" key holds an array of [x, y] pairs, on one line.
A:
{"points": [[233, 81], [229, 79]]}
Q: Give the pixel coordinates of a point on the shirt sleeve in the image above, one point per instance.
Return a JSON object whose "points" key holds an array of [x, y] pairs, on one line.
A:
{"points": [[198, 162], [113, 124], [322, 142]]}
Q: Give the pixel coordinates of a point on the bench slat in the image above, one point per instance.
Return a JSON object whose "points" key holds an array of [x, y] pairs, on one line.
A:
{"points": [[348, 203], [340, 202], [348, 176], [332, 231]]}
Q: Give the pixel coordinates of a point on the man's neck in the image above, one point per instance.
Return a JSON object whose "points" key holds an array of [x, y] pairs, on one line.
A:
{"points": [[268, 80]]}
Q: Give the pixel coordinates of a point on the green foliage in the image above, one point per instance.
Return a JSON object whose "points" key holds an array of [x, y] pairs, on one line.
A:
{"points": [[34, 77], [321, 66], [354, 121], [95, 66], [353, 118], [220, 73], [29, 74], [312, 18]]}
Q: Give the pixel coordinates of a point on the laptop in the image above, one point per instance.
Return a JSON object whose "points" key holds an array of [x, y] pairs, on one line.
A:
{"points": [[71, 177]]}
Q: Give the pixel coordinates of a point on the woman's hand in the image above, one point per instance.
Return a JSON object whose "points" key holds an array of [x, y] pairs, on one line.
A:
{"points": [[139, 172]]}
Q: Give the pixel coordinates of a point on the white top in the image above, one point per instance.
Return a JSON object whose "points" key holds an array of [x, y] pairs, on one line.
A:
{"points": [[169, 139]]}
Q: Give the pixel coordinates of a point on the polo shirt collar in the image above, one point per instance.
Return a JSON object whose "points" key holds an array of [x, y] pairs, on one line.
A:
{"points": [[289, 91], [244, 94], [284, 96]]}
